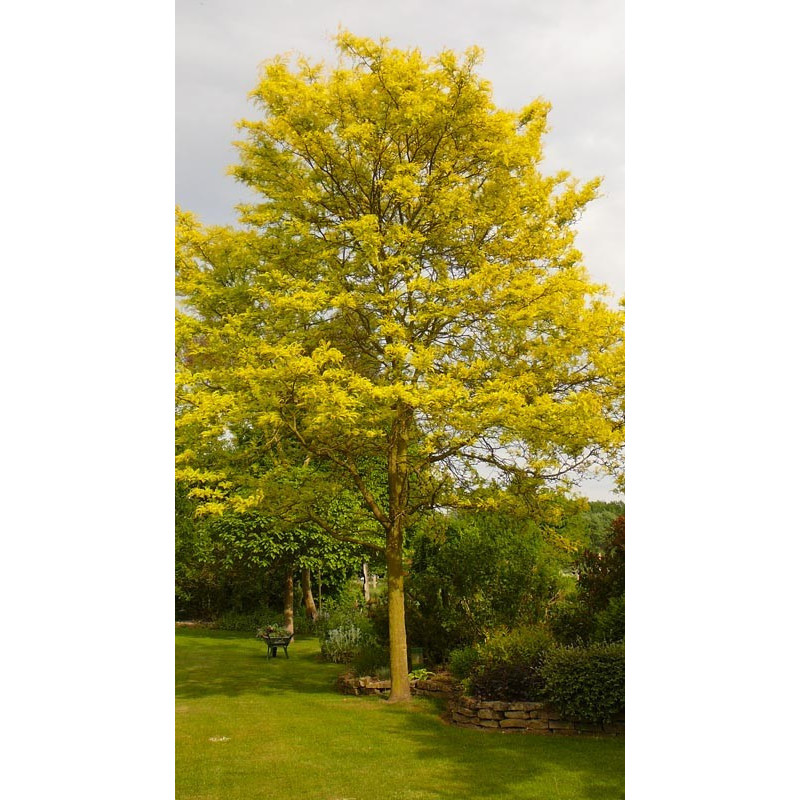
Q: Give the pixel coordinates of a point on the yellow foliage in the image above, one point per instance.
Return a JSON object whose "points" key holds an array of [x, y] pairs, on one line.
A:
{"points": [[408, 260]]}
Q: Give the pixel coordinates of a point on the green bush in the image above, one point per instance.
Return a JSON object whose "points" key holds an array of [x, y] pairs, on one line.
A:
{"points": [[479, 572], [508, 666], [587, 683], [247, 621], [370, 659], [348, 610], [610, 623], [304, 624], [571, 623], [462, 661], [341, 645]]}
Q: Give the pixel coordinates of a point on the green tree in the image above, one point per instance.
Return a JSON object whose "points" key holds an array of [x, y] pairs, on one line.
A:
{"points": [[476, 572], [406, 293]]}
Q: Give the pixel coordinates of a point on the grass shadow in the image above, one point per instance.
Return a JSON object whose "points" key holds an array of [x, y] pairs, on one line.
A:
{"points": [[590, 768]]}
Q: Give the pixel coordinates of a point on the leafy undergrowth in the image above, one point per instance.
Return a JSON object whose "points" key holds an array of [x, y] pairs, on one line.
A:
{"points": [[251, 728]]}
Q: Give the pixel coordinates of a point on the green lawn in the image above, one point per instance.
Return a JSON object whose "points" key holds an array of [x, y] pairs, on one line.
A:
{"points": [[290, 734]]}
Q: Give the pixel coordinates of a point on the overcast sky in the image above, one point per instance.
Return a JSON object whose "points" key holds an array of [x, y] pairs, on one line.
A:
{"points": [[570, 52]]}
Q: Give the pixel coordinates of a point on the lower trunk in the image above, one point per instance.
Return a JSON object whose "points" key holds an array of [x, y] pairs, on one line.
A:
{"points": [[288, 602], [308, 598], [398, 653]]}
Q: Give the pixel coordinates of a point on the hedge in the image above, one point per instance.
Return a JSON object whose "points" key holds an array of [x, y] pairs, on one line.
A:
{"points": [[586, 683]]}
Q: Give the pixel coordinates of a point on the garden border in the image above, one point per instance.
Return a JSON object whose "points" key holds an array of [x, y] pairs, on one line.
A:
{"points": [[489, 715]]}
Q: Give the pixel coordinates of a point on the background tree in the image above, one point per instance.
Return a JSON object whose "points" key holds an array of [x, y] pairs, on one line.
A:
{"points": [[476, 572], [596, 611], [406, 293]]}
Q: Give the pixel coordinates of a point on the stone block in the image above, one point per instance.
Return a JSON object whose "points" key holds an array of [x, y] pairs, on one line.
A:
{"points": [[560, 725], [524, 705], [513, 723], [496, 705], [537, 725], [463, 719], [489, 723], [467, 712], [518, 714], [487, 713]]}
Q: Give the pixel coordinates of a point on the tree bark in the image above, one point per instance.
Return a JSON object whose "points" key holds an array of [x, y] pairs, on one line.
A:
{"points": [[398, 506], [308, 597], [398, 652], [288, 602]]}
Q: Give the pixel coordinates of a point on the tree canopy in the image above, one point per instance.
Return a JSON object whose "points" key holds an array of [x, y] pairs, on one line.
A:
{"points": [[402, 314]]}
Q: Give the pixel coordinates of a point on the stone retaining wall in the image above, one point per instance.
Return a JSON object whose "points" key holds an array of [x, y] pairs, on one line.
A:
{"points": [[525, 717], [506, 717], [438, 686]]}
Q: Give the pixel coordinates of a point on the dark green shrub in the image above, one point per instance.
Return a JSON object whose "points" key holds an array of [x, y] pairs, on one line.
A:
{"points": [[248, 621], [473, 573], [572, 623], [462, 661], [610, 623], [370, 659], [587, 683], [304, 624], [508, 666]]}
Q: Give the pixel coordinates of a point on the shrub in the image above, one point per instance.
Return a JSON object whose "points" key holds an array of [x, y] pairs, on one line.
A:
{"points": [[571, 623], [304, 624], [346, 611], [247, 621], [508, 666], [462, 661], [370, 658], [610, 623], [342, 644], [480, 571], [586, 682]]}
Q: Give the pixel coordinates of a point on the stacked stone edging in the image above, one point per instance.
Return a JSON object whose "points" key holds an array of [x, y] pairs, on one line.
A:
{"points": [[489, 715], [525, 717], [441, 686], [438, 686]]}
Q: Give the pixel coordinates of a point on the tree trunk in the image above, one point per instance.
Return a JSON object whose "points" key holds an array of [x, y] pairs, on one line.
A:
{"points": [[398, 505], [398, 652], [365, 575], [308, 598], [288, 602]]}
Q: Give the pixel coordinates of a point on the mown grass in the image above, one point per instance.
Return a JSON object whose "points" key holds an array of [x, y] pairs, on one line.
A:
{"points": [[290, 734]]}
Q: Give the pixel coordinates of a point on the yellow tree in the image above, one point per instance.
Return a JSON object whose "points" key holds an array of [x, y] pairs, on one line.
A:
{"points": [[406, 293]]}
